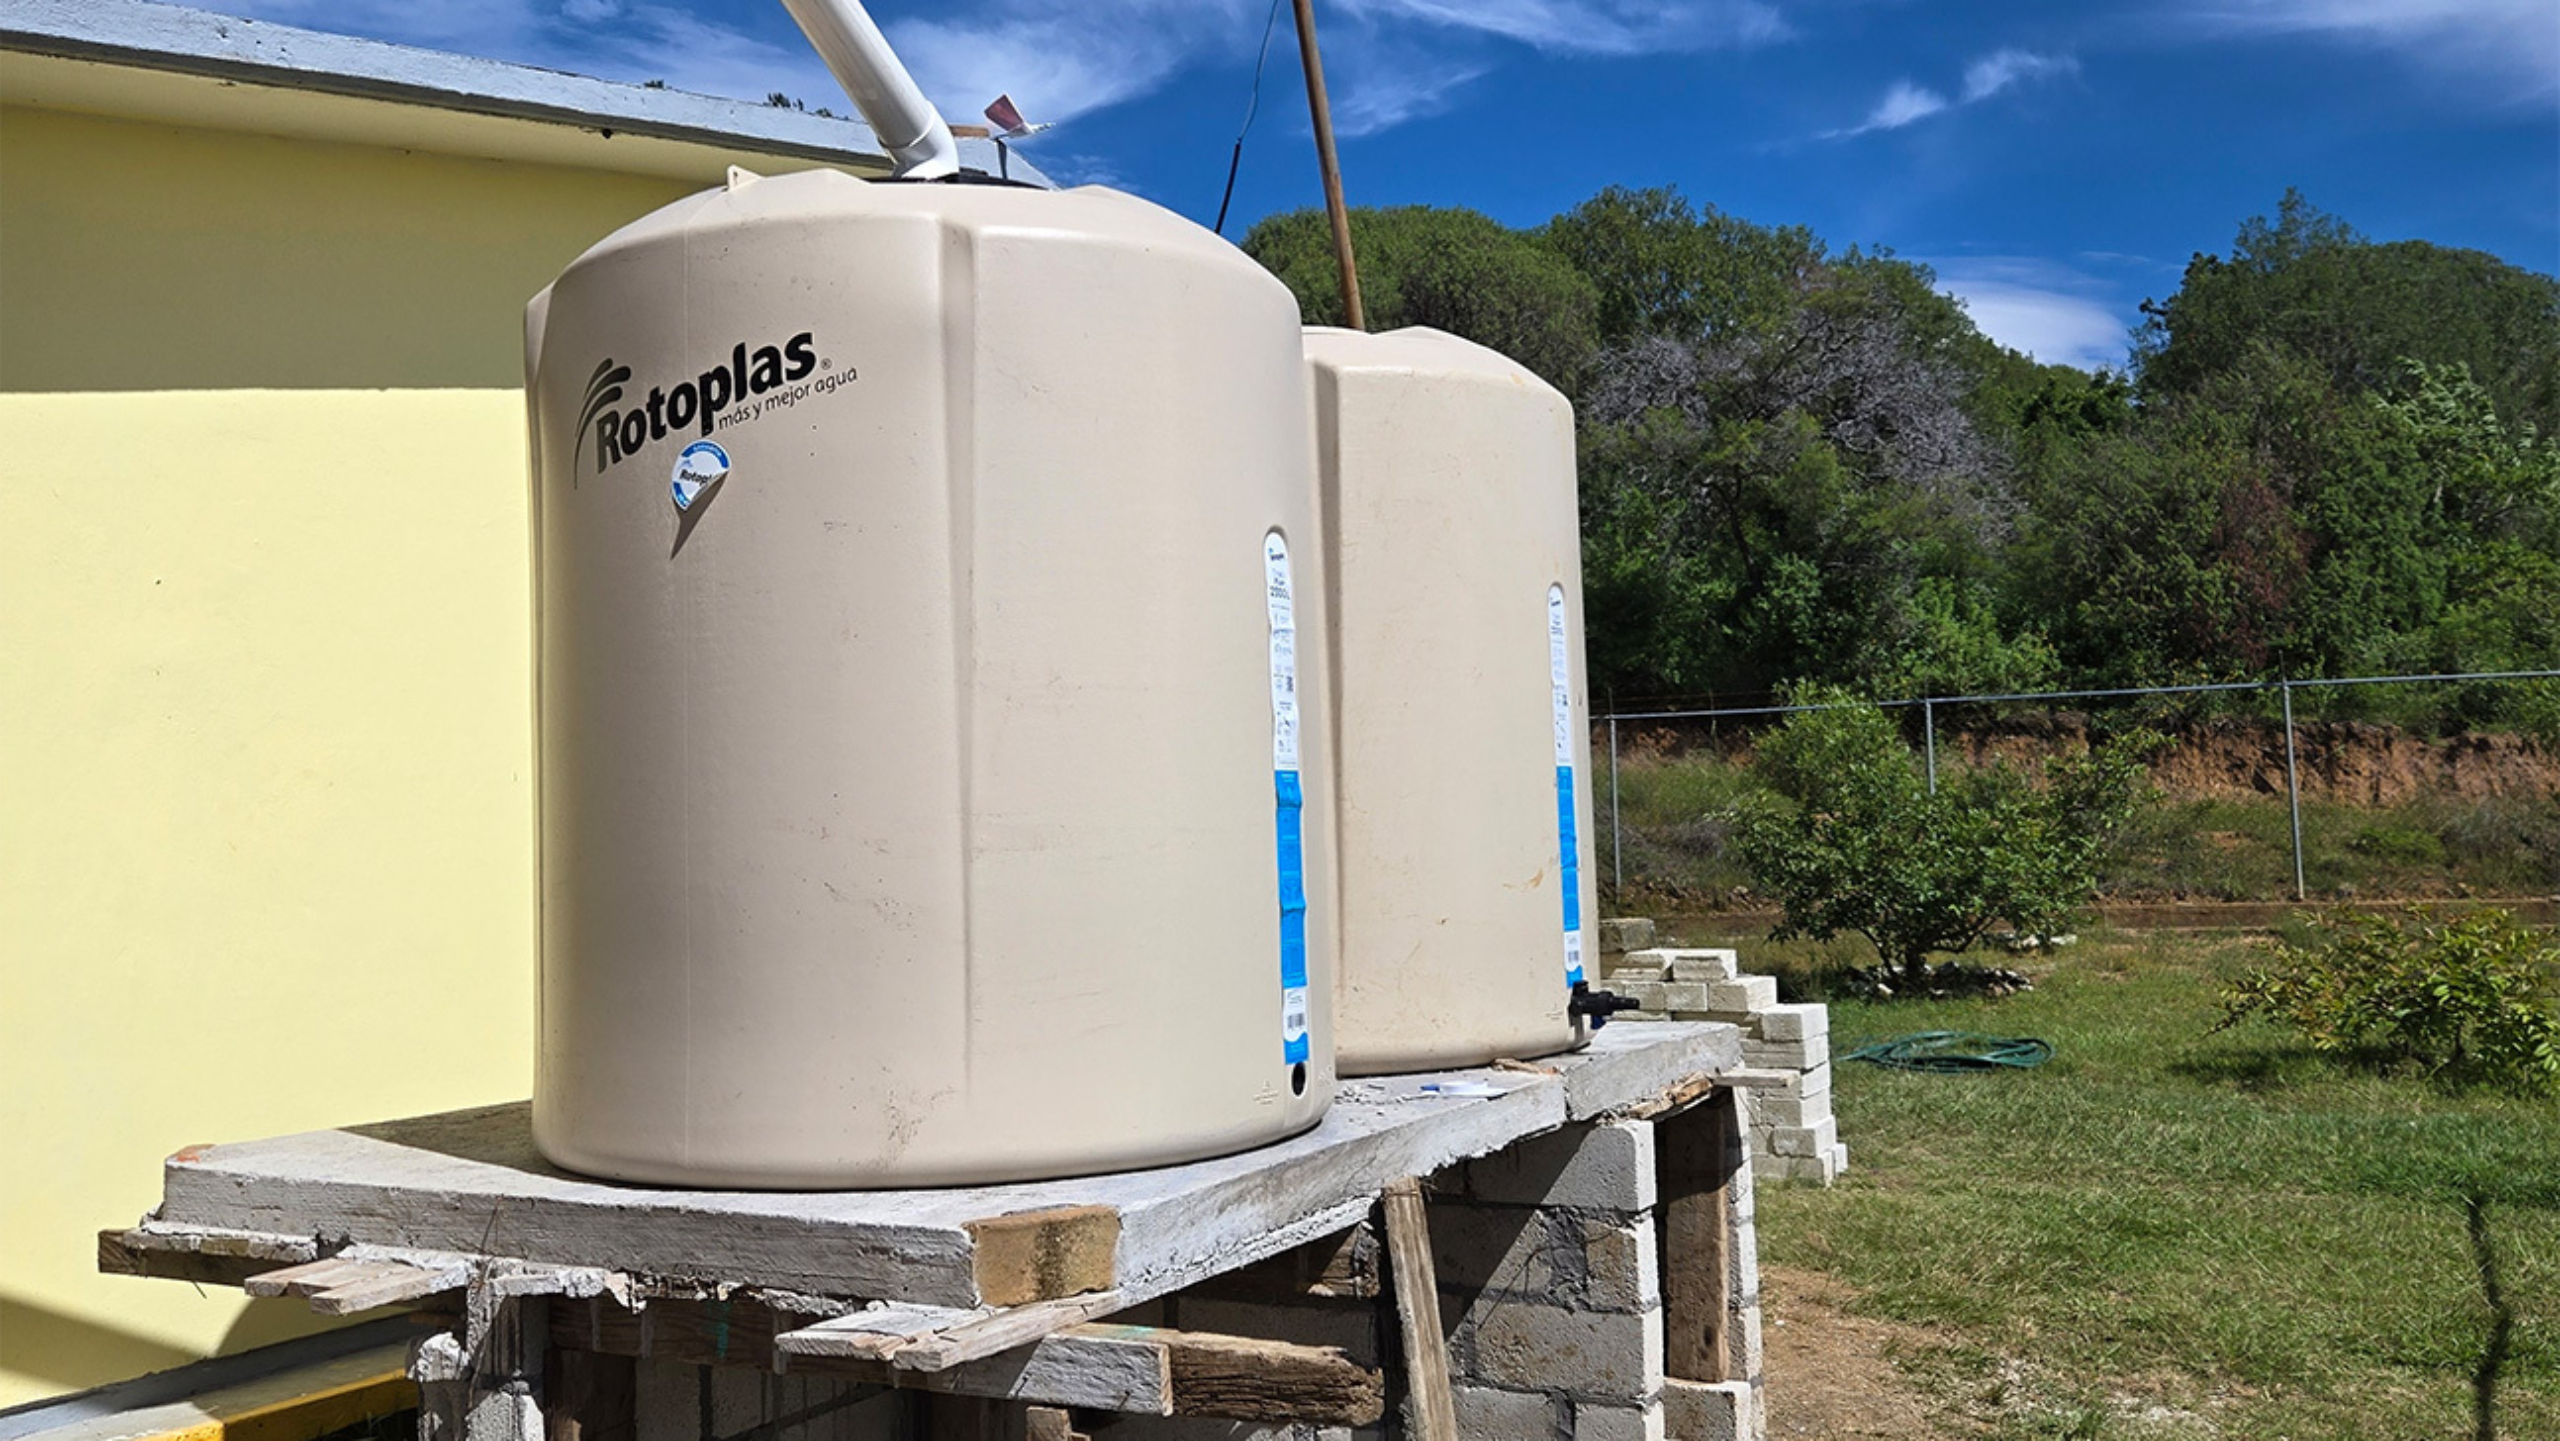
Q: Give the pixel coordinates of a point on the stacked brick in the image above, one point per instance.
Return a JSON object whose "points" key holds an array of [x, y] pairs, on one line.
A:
{"points": [[1551, 1297], [1786, 1048]]}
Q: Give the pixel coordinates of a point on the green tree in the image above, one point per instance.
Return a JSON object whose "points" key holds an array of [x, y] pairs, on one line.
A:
{"points": [[1452, 270], [1856, 841], [2307, 282]]}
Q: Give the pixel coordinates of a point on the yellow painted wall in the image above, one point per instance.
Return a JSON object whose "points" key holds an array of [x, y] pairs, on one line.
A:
{"points": [[265, 810]]}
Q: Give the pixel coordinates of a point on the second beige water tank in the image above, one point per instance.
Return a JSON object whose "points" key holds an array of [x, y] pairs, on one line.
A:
{"points": [[1462, 772], [927, 574]]}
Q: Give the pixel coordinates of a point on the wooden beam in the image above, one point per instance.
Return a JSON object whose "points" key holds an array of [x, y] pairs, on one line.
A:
{"points": [[1238, 1379], [337, 1286], [1426, 1348], [1000, 1331], [213, 1261], [1346, 1265], [1046, 1254], [1696, 1153]]}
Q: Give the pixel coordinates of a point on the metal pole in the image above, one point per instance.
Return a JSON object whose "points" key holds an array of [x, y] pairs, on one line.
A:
{"points": [[1322, 113], [1929, 738], [1617, 856], [2293, 794]]}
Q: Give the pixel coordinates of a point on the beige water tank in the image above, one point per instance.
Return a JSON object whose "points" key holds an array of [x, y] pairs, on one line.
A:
{"points": [[929, 601], [1455, 545]]}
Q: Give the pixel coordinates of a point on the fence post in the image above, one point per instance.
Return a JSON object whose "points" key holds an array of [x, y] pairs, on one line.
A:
{"points": [[1617, 862], [1929, 739], [2293, 794]]}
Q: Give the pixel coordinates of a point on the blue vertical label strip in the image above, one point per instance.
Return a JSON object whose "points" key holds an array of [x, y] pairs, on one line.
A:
{"points": [[1290, 800], [1568, 841]]}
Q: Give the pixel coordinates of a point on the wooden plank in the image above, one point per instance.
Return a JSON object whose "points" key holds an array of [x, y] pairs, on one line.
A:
{"points": [[1045, 1254], [1696, 1153], [1236, 1378], [588, 1396], [388, 1283], [870, 1335], [1426, 1348], [1001, 1331], [307, 1278], [124, 1252], [1347, 1265]]}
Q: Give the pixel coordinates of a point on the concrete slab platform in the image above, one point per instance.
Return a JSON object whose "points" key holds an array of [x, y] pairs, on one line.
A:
{"points": [[470, 1182]]}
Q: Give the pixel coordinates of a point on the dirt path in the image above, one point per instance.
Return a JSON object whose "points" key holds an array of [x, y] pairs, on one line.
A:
{"points": [[1832, 1374]]}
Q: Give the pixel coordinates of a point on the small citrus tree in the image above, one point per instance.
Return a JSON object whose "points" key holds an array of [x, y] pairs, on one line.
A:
{"points": [[2473, 997], [1852, 838]]}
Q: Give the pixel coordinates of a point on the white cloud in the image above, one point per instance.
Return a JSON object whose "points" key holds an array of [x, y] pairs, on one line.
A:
{"points": [[1907, 102], [2515, 44], [2001, 69], [2048, 310], [1396, 60]]}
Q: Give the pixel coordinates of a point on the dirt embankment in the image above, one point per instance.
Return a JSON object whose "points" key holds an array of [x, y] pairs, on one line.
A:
{"points": [[2345, 761]]}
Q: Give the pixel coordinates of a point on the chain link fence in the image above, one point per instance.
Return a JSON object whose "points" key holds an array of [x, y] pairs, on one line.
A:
{"points": [[1677, 815]]}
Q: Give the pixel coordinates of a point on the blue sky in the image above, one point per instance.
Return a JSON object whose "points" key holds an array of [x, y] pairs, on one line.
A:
{"points": [[2055, 162]]}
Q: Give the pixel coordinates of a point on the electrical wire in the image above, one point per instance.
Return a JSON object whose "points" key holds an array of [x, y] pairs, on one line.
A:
{"points": [[1953, 1053], [1252, 106]]}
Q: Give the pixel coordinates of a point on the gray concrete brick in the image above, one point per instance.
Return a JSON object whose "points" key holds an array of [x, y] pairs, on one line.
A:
{"points": [[1840, 1156], [1625, 933], [1603, 1165], [1595, 1422], [1203, 1428], [1707, 1410], [1778, 1109], [1801, 1055], [1625, 970], [1648, 995], [1799, 1021], [1592, 1355], [1815, 1082], [1744, 1352], [1486, 1413], [1743, 994], [1688, 965], [1621, 1268], [1815, 1138], [1687, 996], [1504, 1248]]}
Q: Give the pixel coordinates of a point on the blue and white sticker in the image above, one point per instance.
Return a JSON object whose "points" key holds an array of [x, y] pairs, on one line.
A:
{"points": [[1289, 798], [1568, 843], [699, 467]]}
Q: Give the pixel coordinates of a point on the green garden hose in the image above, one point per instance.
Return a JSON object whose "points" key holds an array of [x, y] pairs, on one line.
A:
{"points": [[1951, 1052]]}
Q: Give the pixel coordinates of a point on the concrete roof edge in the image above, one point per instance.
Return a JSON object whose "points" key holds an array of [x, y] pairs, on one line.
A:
{"points": [[149, 35]]}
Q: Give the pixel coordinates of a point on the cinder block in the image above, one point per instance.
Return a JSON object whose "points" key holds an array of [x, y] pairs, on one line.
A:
{"points": [[1601, 1166], [1704, 965], [1821, 1170], [1746, 1259], [1743, 1348], [1353, 1326], [1814, 1139], [1780, 1109], [1801, 1055], [1648, 995], [1707, 1410], [1815, 1082], [1199, 1428], [1627, 970], [1625, 933], [1510, 1249], [1687, 996], [1621, 1270], [1604, 1356], [1595, 1422], [1743, 995], [1798, 1022], [1840, 1157], [1486, 1413]]}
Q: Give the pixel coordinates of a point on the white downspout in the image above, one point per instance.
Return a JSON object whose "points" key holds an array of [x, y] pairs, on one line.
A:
{"points": [[860, 57]]}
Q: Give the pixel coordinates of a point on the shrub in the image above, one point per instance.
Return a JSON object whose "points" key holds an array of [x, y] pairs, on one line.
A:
{"points": [[1854, 840], [2466, 997]]}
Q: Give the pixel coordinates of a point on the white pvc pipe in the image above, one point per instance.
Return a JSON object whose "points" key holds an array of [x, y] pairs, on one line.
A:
{"points": [[859, 55]]}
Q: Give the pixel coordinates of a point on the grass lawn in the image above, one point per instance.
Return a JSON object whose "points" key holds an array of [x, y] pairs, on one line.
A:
{"points": [[2218, 1230]]}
